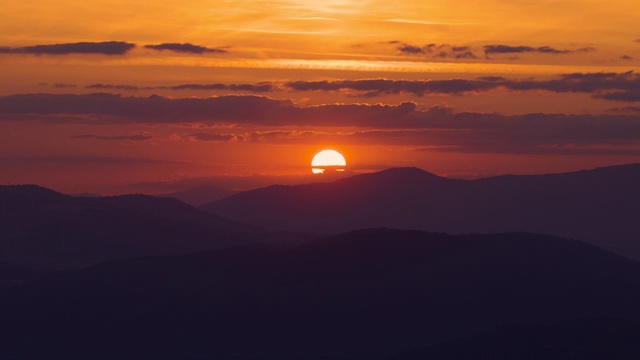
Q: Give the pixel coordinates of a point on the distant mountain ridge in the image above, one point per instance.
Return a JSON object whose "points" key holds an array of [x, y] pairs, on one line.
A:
{"points": [[46, 228], [200, 195], [599, 206]]}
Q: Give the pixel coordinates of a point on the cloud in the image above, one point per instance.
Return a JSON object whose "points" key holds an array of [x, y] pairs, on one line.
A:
{"points": [[628, 96], [410, 49], [507, 49], [625, 109], [384, 86], [214, 137], [596, 84], [475, 132], [255, 88], [185, 48], [84, 160], [139, 137], [447, 51], [440, 128], [245, 109], [64, 85], [626, 57], [114, 87], [436, 50], [105, 48]]}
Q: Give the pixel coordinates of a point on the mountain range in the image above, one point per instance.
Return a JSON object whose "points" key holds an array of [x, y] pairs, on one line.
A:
{"points": [[45, 228], [200, 195], [600, 206], [369, 293]]}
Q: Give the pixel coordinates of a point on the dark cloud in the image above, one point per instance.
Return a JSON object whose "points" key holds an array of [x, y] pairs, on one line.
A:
{"points": [[245, 109], [628, 96], [410, 49], [507, 49], [113, 87], [214, 137], [64, 85], [105, 48], [383, 86], [626, 57], [492, 78], [185, 48], [225, 109], [139, 137], [625, 109], [255, 88], [84, 160], [475, 132], [599, 85], [444, 51], [403, 124], [437, 50]]}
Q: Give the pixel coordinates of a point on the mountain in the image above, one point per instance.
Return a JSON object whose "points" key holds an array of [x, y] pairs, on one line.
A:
{"points": [[364, 293], [45, 228], [599, 206], [585, 339], [200, 195]]}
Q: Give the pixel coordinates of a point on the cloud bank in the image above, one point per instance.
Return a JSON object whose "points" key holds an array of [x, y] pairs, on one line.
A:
{"points": [[104, 48], [185, 48]]}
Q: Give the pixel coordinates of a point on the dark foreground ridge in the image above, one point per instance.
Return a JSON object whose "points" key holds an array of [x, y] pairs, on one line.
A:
{"points": [[368, 293], [600, 206]]}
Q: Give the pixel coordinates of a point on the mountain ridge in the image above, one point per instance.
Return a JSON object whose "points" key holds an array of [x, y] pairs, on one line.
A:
{"points": [[46, 228], [335, 298], [596, 205]]}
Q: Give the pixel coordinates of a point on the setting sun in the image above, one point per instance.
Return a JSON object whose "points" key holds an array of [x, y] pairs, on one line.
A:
{"points": [[328, 159]]}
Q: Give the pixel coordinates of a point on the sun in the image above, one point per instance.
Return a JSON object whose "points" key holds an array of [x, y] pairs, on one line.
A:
{"points": [[328, 160]]}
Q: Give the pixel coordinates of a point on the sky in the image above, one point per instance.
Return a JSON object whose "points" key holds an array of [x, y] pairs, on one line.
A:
{"points": [[117, 96]]}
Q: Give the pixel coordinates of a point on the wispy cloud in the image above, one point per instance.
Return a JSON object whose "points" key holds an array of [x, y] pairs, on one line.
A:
{"points": [[599, 85], [137, 137], [214, 137], [185, 48], [508, 49], [254, 88], [104, 48], [404, 124], [437, 51]]}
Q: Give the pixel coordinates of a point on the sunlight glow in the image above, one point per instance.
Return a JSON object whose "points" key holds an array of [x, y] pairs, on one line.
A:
{"points": [[328, 159]]}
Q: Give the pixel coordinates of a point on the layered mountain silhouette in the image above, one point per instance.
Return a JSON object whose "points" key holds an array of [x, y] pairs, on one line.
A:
{"points": [[600, 206], [45, 228], [591, 339], [368, 293], [200, 195]]}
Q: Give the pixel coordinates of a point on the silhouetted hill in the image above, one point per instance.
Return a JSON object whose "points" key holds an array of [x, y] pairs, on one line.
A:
{"points": [[46, 228], [594, 339], [599, 206], [364, 293], [200, 195]]}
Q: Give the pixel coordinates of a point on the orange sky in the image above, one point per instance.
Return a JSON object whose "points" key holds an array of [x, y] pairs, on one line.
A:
{"points": [[247, 91]]}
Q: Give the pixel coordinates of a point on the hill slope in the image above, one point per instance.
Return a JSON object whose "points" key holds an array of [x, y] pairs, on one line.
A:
{"points": [[364, 293], [200, 195], [46, 228], [599, 206]]}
